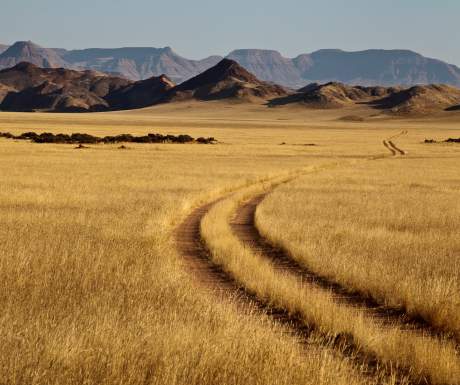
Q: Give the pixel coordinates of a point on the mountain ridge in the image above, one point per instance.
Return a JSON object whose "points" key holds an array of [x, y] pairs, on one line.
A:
{"points": [[26, 87], [139, 63], [367, 68], [27, 51]]}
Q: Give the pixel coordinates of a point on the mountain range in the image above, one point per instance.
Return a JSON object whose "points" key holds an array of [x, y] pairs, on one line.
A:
{"points": [[366, 68], [27, 87]]}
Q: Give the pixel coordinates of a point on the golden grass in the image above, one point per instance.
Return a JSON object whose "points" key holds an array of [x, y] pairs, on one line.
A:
{"points": [[389, 229], [426, 357], [92, 289]]}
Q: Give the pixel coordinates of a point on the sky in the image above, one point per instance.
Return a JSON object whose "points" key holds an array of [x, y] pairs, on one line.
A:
{"points": [[199, 28]]}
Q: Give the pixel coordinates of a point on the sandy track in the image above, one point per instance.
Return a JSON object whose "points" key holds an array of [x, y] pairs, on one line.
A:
{"points": [[392, 145], [244, 227], [391, 149], [225, 288], [211, 277]]}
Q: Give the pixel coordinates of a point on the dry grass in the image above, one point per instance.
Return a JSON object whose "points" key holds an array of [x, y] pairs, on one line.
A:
{"points": [[92, 289], [389, 229], [426, 357]]}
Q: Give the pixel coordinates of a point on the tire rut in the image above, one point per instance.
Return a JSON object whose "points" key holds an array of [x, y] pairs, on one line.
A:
{"points": [[392, 145], [224, 286], [244, 227], [391, 149]]}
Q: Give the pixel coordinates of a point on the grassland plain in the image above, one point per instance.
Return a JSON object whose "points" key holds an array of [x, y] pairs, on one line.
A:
{"points": [[93, 290]]}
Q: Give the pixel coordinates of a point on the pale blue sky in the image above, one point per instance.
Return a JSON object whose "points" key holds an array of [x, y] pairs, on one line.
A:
{"points": [[198, 28]]}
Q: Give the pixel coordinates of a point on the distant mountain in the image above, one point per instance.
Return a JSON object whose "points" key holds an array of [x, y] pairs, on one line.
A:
{"points": [[3, 48], [366, 68], [371, 67], [131, 63], [27, 87], [139, 63], [380, 67], [226, 80], [269, 66], [26, 51]]}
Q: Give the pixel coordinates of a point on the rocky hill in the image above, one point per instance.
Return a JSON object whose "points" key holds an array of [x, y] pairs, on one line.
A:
{"points": [[142, 93], [421, 99], [396, 100], [226, 80], [27, 87], [3, 48]]}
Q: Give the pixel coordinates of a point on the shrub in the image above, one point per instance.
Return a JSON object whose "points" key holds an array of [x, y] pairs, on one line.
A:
{"points": [[78, 138]]}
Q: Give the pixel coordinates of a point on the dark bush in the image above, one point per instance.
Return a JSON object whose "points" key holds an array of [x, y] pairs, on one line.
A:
{"points": [[27, 135], [202, 140], [84, 138], [184, 139], [117, 139], [142, 139], [46, 137], [78, 138], [157, 138]]}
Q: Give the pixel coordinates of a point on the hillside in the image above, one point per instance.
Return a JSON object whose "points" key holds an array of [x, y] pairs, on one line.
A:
{"points": [[27, 87], [395, 100], [3, 48], [421, 99], [140, 94], [226, 80]]}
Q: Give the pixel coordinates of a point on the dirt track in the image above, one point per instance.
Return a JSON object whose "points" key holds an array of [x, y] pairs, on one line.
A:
{"points": [[396, 148], [225, 288], [391, 146], [244, 227], [391, 149]]}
